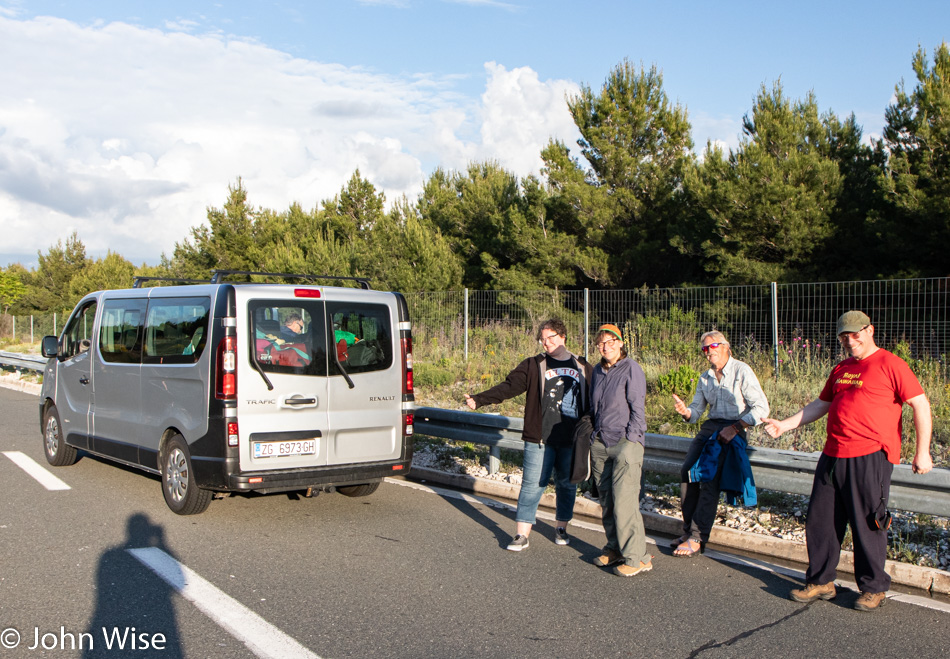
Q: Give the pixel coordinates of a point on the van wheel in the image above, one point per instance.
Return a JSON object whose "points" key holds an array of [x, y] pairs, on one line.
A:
{"points": [[358, 490], [181, 493], [58, 452]]}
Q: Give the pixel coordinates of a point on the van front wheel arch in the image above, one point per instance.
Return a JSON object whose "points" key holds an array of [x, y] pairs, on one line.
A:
{"points": [[181, 493]]}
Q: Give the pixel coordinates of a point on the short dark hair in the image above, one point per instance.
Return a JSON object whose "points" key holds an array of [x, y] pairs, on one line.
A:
{"points": [[556, 325], [292, 318]]}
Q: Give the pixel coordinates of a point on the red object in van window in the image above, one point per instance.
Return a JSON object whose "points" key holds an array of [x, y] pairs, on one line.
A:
{"points": [[306, 292]]}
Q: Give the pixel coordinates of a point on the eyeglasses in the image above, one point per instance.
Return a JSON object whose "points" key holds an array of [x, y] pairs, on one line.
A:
{"points": [[605, 343], [707, 347], [549, 337], [853, 335]]}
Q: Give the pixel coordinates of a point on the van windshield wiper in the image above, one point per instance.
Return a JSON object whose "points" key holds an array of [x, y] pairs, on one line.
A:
{"points": [[257, 367], [346, 376]]}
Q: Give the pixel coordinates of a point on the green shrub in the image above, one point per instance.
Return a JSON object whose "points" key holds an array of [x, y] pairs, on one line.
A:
{"points": [[680, 381]]}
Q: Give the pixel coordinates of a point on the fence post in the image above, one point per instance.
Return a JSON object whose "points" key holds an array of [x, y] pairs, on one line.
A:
{"points": [[31, 330], [586, 323], [13, 316], [465, 315], [775, 326], [55, 333]]}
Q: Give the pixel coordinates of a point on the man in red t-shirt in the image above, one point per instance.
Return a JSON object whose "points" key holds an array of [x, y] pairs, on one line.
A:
{"points": [[863, 398]]}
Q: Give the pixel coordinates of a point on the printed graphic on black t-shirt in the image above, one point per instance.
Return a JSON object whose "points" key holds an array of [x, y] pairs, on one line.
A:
{"points": [[561, 404]]}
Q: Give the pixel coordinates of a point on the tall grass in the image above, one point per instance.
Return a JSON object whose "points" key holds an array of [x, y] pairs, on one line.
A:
{"points": [[672, 364]]}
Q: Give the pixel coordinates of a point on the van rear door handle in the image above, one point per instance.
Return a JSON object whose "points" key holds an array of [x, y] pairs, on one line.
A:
{"points": [[301, 401]]}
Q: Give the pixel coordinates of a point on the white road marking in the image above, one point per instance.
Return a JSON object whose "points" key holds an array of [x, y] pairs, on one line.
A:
{"points": [[260, 637], [723, 557], [30, 466]]}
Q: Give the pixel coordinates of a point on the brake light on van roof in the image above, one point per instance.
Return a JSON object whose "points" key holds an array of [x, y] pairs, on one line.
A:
{"points": [[306, 292]]}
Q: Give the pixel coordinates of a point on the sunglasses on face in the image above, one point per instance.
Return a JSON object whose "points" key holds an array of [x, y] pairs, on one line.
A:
{"points": [[706, 348], [852, 335]]}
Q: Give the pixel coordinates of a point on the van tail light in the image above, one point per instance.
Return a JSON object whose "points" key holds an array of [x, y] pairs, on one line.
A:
{"points": [[227, 369], [407, 421], [406, 345], [232, 433]]}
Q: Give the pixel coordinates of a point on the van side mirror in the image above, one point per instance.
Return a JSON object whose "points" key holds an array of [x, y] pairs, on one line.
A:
{"points": [[50, 346]]}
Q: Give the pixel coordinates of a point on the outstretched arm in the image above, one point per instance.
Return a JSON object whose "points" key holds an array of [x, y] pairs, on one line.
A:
{"points": [[811, 412]]}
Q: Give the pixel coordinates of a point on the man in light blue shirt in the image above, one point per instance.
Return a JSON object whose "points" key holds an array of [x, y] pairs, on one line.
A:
{"points": [[736, 401]]}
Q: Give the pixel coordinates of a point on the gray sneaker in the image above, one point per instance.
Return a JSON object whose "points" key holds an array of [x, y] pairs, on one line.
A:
{"points": [[518, 543], [560, 536]]}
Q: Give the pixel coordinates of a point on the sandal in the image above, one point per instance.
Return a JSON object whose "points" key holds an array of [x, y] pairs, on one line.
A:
{"points": [[686, 548], [680, 540]]}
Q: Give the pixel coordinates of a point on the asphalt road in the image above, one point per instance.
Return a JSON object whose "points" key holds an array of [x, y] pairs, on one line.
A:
{"points": [[406, 572]]}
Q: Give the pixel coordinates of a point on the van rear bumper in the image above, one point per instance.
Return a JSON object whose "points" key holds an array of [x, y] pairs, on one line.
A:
{"points": [[209, 473]]}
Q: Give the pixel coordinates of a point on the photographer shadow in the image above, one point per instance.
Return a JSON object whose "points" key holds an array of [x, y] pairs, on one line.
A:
{"points": [[134, 609]]}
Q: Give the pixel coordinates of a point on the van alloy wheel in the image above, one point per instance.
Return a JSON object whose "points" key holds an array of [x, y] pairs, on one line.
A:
{"points": [[58, 452], [179, 488]]}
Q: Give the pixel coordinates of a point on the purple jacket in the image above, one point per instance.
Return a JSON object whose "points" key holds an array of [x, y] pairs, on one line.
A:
{"points": [[618, 402]]}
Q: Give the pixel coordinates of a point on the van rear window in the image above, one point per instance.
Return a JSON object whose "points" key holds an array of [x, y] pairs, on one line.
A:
{"points": [[176, 330], [362, 336], [288, 337]]}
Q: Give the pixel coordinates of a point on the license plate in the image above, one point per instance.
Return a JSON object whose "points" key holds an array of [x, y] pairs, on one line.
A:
{"points": [[284, 449]]}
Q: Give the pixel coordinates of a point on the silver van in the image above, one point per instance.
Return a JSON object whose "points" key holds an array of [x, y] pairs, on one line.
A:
{"points": [[223, 386]]}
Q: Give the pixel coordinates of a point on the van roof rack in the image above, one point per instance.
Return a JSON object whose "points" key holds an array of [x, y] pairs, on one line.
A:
{"points": [[138, 281], [218, 275]]}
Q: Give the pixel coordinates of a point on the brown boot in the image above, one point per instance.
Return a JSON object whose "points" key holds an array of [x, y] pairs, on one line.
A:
{"points": [[813, 591], [870, 601], [608, 558]]}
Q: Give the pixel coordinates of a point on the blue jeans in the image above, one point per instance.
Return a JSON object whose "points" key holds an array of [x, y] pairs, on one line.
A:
{"points": [[539, 463]]}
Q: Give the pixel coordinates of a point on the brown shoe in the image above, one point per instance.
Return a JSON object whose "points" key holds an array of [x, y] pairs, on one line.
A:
{"points": [[624, 570], [813, 591], [608, 558], [870, 601]]}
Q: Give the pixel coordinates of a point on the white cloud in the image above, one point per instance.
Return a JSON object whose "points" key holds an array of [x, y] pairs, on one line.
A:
{"points": [[520, 114], [126, 135]]}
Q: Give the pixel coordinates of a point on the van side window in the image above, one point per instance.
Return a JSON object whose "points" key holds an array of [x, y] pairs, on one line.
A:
{"points": [[362, 336], [120, 331], [288, 336], [77, 337], [176, 330]]}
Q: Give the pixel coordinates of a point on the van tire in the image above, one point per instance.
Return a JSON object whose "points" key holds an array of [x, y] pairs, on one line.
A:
{"points": [[182, 495], [58, 452], [358, 490]]}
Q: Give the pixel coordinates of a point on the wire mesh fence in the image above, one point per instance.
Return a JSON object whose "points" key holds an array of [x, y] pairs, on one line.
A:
{"points": [[911, 316]]}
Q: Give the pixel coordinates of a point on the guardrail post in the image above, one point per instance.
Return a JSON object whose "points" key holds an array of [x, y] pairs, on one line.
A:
{"points": [[494, 460]]}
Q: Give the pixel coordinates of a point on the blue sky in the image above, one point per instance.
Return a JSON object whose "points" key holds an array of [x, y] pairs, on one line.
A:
{"points": [[125, 120]]}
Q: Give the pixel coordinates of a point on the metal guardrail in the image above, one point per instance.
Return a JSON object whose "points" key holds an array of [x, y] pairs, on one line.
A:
{"points": [[19, 360], [773, 469]]}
